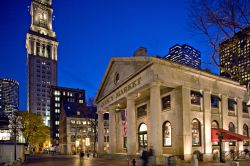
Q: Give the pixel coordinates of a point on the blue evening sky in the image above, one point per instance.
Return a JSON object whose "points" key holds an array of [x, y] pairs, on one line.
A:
{"points": [[90, 32]]}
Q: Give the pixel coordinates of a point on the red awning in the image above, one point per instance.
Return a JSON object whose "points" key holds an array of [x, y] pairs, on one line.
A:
{"points": [[227, 135]]}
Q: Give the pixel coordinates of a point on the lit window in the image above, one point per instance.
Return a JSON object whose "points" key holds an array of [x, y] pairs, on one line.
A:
{"points": [[72, 121], [84, 122], [56, 122], [80, 101], [78, 113], [196, 133], [167, 134]]}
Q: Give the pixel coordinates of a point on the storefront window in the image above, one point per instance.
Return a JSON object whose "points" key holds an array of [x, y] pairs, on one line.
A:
{"points": [[196, 134], [167, 134], [245, 133]]}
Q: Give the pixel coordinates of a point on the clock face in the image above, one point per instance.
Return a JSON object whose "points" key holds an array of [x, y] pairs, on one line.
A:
{"points": [[43, 16]]}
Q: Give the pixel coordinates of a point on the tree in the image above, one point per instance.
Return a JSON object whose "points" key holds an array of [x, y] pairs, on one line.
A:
{"points": [[219, 20], [33, 128]]}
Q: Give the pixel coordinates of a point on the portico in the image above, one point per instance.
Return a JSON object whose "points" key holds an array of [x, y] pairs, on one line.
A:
{"points": [[166, 106]]}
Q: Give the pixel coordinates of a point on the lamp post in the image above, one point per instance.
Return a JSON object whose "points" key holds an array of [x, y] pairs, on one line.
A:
{"points": [[220, 136], [14, 125]]}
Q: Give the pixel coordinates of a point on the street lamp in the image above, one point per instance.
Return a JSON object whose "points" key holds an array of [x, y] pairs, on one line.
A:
{"points": [[14, 126]]}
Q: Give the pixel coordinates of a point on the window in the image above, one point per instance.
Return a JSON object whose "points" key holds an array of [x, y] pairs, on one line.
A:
{"points": [[57, 110], [56, 122], [78, 112], [124, 142], [244, 107], [215, 124], [195, 97], [245, 133], [141, 111], [196, 133], [167, 134], [143, 140], [166, 102], [73, 138], [231, 104], [231, 128], [215, 100], [72, 121], [80, 101]]}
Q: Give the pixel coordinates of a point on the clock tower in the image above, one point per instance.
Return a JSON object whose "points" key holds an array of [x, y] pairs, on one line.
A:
{"points": [[41, 45]]}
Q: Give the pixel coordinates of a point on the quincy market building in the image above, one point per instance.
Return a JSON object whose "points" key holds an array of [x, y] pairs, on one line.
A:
{"points": [[170, 107]]}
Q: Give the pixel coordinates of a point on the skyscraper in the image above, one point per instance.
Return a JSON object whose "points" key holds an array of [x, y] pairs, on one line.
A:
{"points": [[186, 55], [9, 95], [235, 57], [59, 97], [41, 44]]}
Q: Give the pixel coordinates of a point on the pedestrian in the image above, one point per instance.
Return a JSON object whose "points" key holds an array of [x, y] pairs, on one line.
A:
{"points": [[81, 156], [144, 157], [151, 156], [26, 154]]}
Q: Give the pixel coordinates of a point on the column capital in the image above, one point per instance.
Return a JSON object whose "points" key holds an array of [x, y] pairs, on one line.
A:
{"points": [[155, 84], [131, 97]]}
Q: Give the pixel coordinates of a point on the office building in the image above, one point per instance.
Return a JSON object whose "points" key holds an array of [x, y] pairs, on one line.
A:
{"points": [[235, 57], [41, 45], [9, 95], [77, 132], [186, 55], [60, 96], [175, 109]]}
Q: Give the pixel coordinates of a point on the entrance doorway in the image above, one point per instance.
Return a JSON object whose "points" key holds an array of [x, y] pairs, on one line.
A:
{"points": [[143, 135]]}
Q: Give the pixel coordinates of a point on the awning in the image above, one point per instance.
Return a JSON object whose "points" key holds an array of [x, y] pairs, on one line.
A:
{"points": [[227, 136]]}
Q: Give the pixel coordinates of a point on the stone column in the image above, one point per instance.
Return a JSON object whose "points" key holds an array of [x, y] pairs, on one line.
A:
{"points": [[224, 112], [155, 120], [239, 121], [52, 52], [131, 126], [34, 47], [207, 126], [187, 123], [112, 131], [100, 132], [119, 133]]}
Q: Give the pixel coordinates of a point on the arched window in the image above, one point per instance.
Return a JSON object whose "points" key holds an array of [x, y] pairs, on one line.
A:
{"points": [[167, 134], [196, 133], [215, 124], [143, 137], [231, 128], [245, 133]]}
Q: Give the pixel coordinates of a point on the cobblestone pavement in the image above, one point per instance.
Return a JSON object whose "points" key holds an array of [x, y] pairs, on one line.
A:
{"points": [[45, 160]]}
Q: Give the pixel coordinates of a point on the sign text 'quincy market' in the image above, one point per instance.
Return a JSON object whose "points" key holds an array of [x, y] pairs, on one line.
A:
{"points": [[122, 91]]}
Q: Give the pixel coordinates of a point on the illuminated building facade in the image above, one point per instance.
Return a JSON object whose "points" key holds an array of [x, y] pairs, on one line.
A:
{"points": [[9, 95], [60, 96], [235, 57], [169, 106], [186, 55], [76, 128], [41, 45]]}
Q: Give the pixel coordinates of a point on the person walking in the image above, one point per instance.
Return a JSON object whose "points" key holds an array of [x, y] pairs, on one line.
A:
{"points": [[81, 156], [144, 157], [151, 156]]}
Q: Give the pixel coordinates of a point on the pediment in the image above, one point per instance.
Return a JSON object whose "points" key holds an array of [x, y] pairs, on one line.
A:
{"points": [[118, 71]]}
